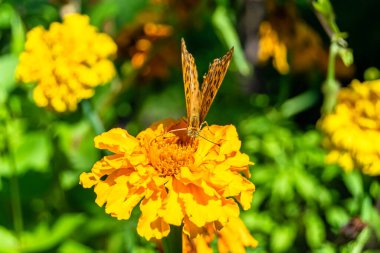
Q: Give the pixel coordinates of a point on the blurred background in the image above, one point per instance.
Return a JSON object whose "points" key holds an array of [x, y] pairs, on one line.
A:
{"points": [[272, 93]]}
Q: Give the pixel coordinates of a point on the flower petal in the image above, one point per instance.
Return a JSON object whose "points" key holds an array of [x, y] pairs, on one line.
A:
{"points": [[172, 211], [116, 140]]}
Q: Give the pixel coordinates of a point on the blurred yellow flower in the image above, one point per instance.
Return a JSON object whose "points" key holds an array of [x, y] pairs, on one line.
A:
{"points": [[353, 130], [233, 237], [67, 62], [270, 46], [175, 180]]}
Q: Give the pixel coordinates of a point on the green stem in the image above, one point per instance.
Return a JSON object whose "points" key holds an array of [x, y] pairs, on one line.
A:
{"points": [[330, 87], [15, 189], [331, 63], [16, 202], [93, 117], [173, 242]]}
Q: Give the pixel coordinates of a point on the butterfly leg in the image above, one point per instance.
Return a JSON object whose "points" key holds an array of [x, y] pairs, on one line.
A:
{"points": [[204, 123]]}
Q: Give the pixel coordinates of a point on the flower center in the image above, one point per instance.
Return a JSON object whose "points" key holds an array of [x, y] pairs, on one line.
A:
{"points": [[169, 154]]}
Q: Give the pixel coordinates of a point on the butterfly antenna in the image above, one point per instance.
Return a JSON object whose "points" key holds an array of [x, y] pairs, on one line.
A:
{"points": [[209, 140], [182, 129]]}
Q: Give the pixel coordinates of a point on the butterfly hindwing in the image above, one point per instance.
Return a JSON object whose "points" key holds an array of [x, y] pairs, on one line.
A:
{"points": [[212, 81]]}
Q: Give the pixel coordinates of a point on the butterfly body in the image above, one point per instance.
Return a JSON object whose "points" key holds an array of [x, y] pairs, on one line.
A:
{"points": [[193, 127], [199, 100]]}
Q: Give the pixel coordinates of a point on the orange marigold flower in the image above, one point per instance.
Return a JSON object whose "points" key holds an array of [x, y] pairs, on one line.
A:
{"points": [[270, 46], [177, 181], [67, 62], [352, 130], [233, 237]]}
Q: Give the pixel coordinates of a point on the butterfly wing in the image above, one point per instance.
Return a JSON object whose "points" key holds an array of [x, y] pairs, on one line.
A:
{"points": [[212, 81], [190, 80]]}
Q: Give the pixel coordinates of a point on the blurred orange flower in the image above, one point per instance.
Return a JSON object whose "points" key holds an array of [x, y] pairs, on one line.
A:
{"points": [[352, 130], [138, 42], [174, 179], [293, 44], [270, 46], [67, 62]]}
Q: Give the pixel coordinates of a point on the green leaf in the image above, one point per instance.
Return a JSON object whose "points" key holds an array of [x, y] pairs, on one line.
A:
{"points": [[315, 229], [14, 128], [77, 142], [366, 211], [8, 65], [18, 34], [299, 103], [354, 182], [34, 152], [260, 197], [283, 186], [325, 197], [258, 221], [10, 18], [227, 32], [263, 174], [273, 148], [8, 240], [306, 185], [69, 179], [358, 245], [337, 217], [346, 55], [44, 238], [73, 246], [323, 6], [326, 248], [375, 189], [282, 238], [6, 13]]}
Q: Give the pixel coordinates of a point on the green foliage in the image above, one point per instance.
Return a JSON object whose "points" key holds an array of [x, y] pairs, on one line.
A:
{"points": [[300, 200]]}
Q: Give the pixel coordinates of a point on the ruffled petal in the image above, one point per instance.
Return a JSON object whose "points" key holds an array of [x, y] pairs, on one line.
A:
{"points": [[116, 140], [172, 211]]}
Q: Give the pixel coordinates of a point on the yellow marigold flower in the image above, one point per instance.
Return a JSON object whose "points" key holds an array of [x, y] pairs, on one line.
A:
{"points": [[175, 181], [353, 129], [67, 62], [270, 46], [234, 237]]}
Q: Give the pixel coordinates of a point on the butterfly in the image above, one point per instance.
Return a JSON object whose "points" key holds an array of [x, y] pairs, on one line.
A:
{"points": [[199, 99]]}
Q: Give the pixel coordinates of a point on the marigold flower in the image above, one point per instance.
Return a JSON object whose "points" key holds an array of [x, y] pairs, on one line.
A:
{"points": [[270, 46], [175, 180], [233, 237], [352, 130], [67, 62]]}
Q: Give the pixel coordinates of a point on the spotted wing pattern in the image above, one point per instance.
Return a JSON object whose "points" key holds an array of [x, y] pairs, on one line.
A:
{"points": [[190, 80], [212, 81]]}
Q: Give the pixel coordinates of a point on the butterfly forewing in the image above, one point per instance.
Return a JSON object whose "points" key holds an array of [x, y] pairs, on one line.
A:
{"points": [[198, 101], [212, 81], [190, 80]]}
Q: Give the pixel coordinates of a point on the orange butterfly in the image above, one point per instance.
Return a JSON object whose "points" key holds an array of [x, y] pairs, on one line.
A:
{"points": [[199, 100]]}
